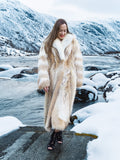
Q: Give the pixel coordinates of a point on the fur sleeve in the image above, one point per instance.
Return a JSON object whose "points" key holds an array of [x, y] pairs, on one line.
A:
{"points": [[43, 76], [78, 64]]}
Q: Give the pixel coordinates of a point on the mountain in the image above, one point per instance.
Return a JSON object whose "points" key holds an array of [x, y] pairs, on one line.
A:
{"points": [[98, 37], [22, 30]]}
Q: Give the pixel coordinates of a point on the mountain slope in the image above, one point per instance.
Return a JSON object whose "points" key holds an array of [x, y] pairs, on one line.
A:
{"points": [[22, 26], [98, 37]]}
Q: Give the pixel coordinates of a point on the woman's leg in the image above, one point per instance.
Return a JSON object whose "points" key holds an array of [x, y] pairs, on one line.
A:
{"points": [[55, 136], [59, 137], [51, 144]]}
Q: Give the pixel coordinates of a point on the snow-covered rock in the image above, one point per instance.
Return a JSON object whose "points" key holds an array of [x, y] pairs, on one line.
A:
{"points": [[5, 67], [86, 93], [113, 74], [10, 72], [100, 80], [89, 82], [110, 89]]}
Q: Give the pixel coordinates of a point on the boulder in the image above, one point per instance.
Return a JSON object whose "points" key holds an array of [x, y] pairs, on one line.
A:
{"points": [[85, 94], [113, 74], [2, 69], [30, 71], [111, 86], [18, 76], [92, 68], [41, 91], [100, 80], [89, 82]]}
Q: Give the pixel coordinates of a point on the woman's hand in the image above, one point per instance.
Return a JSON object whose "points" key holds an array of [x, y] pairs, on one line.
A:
{"points": [[46, 89]]}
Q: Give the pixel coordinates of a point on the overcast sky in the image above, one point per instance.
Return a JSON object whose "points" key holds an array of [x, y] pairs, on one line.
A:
{"points": [[76, 9]]}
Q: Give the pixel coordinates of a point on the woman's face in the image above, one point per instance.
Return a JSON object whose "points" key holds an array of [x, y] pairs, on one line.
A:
{"points": [[62, 31]]}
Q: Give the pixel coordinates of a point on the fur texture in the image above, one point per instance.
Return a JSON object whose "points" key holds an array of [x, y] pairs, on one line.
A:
{"points": [[62, 72]]}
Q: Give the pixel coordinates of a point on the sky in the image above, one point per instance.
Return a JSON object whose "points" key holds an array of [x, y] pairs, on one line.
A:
{"points": [[76, 9]]}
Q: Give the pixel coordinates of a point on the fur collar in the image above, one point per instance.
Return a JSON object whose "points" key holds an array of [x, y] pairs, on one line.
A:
{"points": [[61, 45]]}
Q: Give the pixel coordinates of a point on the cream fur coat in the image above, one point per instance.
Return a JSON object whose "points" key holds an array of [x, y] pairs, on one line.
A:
{"points": [[62, 72]]}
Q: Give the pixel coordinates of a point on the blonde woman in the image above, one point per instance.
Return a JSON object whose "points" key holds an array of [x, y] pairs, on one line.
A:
{"points": [[60, 72]]}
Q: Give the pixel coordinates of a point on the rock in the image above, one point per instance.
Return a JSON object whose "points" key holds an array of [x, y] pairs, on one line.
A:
{"points": [[86, 93], [41, 91], [100, 79], [117, 57], [111, 86], [18, 76], [89, 82], [92, 68], [35, 70], [30, 71], [72, 118], [113, 74], [2, 69]]}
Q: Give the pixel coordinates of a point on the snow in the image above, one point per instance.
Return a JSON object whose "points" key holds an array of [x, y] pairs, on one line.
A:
{"points": [[100, 79], [89, 82], [15, 33], [9, 124], [111, 96], [6, 66], [102, 120], [9, 73]]}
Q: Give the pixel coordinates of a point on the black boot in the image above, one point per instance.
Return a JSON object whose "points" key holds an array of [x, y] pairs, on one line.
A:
{"points": [[59, 137], [51, 144]]}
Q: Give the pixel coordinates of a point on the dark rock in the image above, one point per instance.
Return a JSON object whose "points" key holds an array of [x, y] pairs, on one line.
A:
{"points": [[72, 118], [117, 57], [41, 91], [111, 74], [30, 71], [18, 76], [111, 86], [2, 69], [84, 95], [108, 89], [92, 68], [35, 70]]}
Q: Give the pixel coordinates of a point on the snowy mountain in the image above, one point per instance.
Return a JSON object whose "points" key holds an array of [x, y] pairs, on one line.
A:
{"points": [[21, 27], [98, 37], [22, 30]]}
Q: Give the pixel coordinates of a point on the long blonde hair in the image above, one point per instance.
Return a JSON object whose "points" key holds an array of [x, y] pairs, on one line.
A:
{"points": [[53, 35]]}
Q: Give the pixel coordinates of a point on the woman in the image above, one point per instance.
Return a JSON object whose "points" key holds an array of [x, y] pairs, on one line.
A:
{"points": [[60, 71]]}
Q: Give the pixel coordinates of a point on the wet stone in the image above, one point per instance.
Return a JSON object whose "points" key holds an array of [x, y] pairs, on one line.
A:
{"points": [[31, 143]]}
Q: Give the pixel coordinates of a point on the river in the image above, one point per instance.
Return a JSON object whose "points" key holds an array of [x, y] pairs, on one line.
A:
{"points": [[19, 97]]}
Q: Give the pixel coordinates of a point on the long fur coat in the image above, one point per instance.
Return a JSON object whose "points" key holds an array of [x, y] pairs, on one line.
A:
{"points": [[62, 71]]}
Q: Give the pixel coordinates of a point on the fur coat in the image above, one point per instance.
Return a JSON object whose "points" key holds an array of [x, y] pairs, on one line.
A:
{"points": [[62, 72]]}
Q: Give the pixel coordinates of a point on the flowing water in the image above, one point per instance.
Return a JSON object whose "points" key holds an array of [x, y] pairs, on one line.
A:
{"points": [[19, 97]]}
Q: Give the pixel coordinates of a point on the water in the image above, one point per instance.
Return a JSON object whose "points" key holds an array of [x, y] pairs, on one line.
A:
{"points": [[19, 97]]}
